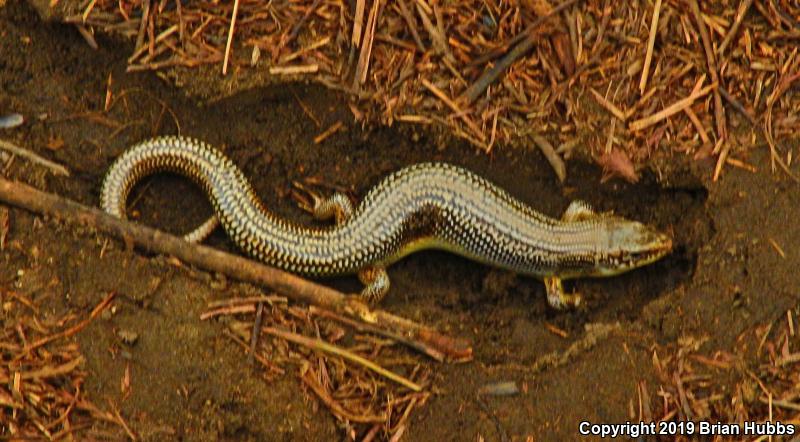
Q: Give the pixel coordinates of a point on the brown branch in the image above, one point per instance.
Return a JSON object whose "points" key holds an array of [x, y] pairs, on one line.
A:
{"points": [[237, 267]]}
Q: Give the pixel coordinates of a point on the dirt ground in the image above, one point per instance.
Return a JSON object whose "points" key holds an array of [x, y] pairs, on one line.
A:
{"points": [[725, 278]]}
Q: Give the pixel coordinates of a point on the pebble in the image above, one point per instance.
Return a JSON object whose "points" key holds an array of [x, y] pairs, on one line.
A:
{"points": [[11, 121], [128, 337]]}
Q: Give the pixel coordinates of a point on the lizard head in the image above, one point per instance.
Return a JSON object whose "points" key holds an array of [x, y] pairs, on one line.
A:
{"points": [[629, 245]]}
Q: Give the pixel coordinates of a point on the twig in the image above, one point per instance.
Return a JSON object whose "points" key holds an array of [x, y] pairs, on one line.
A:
{"points": [[526, 44], [119, 420], [651, 40], [160, 37], [412, 27], [142, 28], [743, 8], [552, 157], [318, 344], [246, 300], [617, 112], [48, 372], [313, 46], [741, 165], [300, 23], [228, 310], [781, 403], [364, 327], [328, 132], [455, 108], [673, 109], [784, 83], [358, 22], [5, 226], [780, 251], [607, 12], [366, 46], [294, 70], [719, 111], [256, 331], [230, 37], [737, 106], [307, 110], [723, 155], [437, 38], [19, 151], [87, 36], [697, 124], [261, 359], [237, 267]]}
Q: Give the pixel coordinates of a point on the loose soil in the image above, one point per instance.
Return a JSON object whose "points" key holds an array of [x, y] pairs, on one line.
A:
{"points": [[189, 382]]}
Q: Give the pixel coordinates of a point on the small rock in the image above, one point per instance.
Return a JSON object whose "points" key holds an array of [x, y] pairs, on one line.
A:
{"points": [[128, 337], [503, 388], [11, 121]]}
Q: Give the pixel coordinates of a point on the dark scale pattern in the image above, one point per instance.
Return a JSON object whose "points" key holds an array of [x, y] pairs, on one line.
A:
{"points": [[429, 205]]}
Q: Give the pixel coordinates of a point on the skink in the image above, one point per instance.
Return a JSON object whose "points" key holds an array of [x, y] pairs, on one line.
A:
{"points": [[424, 206]]}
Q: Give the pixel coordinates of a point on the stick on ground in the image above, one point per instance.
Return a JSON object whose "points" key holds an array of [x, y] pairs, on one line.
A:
{"points": [[294, 287], [16, 150]]}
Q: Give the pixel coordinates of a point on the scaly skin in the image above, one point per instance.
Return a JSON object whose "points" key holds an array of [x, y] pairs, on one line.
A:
{"points": [[428, 205]]}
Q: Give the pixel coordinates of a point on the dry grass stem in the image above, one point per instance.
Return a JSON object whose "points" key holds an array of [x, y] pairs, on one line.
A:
{"points": [[651, 41], [230, 37]]}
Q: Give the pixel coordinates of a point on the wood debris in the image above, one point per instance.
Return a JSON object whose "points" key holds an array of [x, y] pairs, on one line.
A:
{"points": [[42, 375], [720, 387], [368, 382], [493, 72]]}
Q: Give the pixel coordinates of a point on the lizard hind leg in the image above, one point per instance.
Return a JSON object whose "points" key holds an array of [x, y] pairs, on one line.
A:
{"points": [[376, 283], [336, 206], [556, 296], [578, 210]]}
